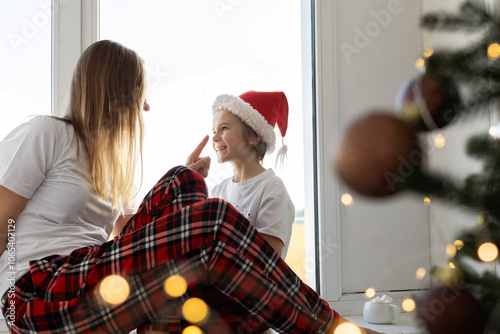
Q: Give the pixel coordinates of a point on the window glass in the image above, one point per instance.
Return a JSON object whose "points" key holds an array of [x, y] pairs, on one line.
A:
{"points": [[197, 50], [25, 61]]}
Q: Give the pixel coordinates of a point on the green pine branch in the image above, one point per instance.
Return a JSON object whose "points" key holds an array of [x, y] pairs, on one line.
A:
{"points": [[434, 185], [471, 16], [471, 68], [486, 286]]}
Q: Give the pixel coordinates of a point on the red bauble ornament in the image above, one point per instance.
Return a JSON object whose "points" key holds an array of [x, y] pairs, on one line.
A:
{"points": [[377, 154], [428, 102], [451, 310]]}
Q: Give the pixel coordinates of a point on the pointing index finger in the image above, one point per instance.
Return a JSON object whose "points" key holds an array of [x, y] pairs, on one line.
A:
{"points": [[197, 151]]}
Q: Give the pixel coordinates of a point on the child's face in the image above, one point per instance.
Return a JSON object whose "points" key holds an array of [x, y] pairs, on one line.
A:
{"points": [[229, 140]]}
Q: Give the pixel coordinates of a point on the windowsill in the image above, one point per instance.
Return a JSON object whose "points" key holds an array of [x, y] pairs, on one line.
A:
{"points": [[406, 324]]}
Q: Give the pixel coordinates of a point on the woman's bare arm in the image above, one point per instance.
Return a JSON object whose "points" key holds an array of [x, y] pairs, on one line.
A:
{"points": [[120, 223], [11, 205]]}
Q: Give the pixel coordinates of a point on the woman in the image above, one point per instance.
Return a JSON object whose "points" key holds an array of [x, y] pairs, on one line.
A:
{"points": [[66, 181]]}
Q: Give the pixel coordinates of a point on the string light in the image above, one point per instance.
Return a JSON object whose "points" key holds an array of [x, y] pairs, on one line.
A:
{"points": [[427, 201], [493, 131], [480, 219], [451, 250], [459, 244], [347, 200], [487, 252], [493, 51], [192, 330], [439, 141], [347, 328], [420, 63], [408, 305], [175, 286], [370, 292], [452, 265], [428, 52], [114, 289], [420, 273], [195, 310], [446, 275]]}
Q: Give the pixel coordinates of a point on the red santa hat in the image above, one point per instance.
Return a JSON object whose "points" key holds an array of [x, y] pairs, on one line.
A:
{"points": [[259, 110]]}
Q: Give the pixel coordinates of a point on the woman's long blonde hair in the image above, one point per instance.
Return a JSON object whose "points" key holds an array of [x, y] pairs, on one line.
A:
{"points": [[106, 104]]}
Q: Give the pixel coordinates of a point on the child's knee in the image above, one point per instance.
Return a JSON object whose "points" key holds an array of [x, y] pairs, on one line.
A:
{"points": [[181, 174]]}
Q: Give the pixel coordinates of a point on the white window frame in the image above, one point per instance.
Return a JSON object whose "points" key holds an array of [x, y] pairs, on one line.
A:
{"points": [[328, 249], [75, 25]]}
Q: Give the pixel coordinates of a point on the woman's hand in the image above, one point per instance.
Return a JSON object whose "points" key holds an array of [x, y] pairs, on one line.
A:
{"points": [[201, 165]]}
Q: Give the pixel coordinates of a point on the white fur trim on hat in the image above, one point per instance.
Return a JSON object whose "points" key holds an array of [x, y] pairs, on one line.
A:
{"points": [[249, 115]]}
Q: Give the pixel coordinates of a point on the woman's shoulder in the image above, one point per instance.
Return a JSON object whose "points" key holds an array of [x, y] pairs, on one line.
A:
{"points": [[43, 131], [43, 124], [46, 121]]}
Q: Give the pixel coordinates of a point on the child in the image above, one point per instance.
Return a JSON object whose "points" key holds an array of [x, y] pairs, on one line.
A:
{"points": [[243, 135]]}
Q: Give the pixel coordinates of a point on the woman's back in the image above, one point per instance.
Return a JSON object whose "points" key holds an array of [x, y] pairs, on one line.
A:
{"points": [[63, 212]]}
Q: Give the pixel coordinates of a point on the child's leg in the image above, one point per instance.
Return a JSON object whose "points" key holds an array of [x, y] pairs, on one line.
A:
{"points": [[220, 248]]}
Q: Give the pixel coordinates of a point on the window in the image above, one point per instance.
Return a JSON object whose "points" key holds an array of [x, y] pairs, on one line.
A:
{"points": [[195, 51], [25, 61], [370, 243]]}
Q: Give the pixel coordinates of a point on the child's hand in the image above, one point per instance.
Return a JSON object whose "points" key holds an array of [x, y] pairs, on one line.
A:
{"points": [[201, 165]]}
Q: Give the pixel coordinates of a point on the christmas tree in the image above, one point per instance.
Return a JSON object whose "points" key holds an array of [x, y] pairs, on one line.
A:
{"points": [[467, 299]]}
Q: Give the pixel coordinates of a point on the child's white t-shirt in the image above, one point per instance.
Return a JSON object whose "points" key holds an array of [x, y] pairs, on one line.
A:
{"points": [[264, 201], [63, 213]]}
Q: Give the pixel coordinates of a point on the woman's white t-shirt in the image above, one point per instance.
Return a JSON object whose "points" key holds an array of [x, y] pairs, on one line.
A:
{"points": [[264, 201], [38, 160]]}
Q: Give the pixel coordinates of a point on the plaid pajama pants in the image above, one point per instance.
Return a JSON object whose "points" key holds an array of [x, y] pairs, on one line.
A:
{"points": [[175, 231]]}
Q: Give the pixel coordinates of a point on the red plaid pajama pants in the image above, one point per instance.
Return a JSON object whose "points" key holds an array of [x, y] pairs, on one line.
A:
{"points": [[175, 231]]}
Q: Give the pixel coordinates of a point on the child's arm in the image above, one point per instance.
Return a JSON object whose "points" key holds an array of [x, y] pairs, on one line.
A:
{"points": [[276, 243]]}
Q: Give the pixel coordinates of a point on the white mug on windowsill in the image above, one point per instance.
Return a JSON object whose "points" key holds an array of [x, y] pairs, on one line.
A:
{"points": [[380, 313]]}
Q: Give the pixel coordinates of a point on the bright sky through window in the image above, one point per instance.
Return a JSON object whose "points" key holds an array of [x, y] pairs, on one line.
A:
{"points": [[195, 51]]}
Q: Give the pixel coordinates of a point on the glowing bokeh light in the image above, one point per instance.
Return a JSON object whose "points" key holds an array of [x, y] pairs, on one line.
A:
{"points": [[439, 141], [428, 52], [195, 310], [451, 250], [427, 201], [192, 330], [459, 244], [175, 286], [420, 63], [421, 272], [493, 51], [370, 292], [480, 219], [347, 328], [493, 131], [347, 200], [487, 252], [452, 265], [114, 289], [408, 305]]}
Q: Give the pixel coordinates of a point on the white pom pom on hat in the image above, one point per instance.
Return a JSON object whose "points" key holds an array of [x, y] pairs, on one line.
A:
{"points": [[259, 110]]}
